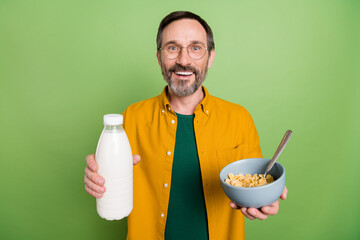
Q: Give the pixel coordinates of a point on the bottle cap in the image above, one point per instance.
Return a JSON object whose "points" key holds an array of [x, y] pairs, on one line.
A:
{"points": [[113, 119]]}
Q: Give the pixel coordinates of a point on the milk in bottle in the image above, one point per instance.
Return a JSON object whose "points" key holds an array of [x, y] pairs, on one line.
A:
{"points": [[115, 165]]}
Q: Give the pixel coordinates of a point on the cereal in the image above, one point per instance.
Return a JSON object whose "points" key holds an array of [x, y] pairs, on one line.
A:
{"points": [[248, 180]]}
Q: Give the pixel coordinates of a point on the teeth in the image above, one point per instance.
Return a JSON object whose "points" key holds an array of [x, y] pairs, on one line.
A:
{"points": [[184, 73]]}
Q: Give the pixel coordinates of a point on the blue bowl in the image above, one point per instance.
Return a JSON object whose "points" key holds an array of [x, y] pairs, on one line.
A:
{"points": [[253, 196]]}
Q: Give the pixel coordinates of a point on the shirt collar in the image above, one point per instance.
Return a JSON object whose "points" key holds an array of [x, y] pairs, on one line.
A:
{"points": [[202, 107], [204, 104]]}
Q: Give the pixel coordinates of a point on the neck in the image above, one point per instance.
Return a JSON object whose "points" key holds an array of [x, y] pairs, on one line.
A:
{"points": [[185, 105]]}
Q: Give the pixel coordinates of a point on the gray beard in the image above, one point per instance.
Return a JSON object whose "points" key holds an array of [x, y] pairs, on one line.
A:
{"points": [[182, 89]]}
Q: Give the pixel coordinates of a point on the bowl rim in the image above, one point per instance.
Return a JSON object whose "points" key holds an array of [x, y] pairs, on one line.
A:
{"points": [[258, 187]]}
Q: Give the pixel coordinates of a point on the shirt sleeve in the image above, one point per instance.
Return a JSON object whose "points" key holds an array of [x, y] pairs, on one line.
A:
{"points": [[253, 142]]}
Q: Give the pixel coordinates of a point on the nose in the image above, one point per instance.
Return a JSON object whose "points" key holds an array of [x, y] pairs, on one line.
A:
{"points": [[183, 58]]}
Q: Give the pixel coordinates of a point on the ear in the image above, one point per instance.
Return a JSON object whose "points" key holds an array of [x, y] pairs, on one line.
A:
{"points": [[211, 58], [158, 57]]}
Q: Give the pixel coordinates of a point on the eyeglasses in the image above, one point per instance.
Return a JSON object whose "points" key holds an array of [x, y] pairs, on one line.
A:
{"points": [[196, 50]]}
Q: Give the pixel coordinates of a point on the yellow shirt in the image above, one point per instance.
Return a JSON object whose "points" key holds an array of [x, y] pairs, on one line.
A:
{"points": [[224, 131]]}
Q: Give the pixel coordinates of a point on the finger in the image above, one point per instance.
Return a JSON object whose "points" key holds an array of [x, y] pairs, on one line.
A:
{"points": [[284, 194], [234, 205], [271, 209], [92, 192], [91, 163], [246, 214], [136, 159], [93, 176], [94, 187], [255, 213]]}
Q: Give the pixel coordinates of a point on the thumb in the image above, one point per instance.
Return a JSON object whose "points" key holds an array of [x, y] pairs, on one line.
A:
{"points": [[136, 159]]}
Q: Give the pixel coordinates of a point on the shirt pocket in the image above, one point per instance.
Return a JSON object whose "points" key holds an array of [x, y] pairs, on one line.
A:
{"points": [[228, 155]]}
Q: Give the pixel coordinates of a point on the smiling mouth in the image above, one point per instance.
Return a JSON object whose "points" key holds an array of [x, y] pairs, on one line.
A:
{"points": [[183, 73]]}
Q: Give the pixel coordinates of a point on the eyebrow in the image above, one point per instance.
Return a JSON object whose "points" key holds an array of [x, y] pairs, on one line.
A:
{"points": [[192, 42]]}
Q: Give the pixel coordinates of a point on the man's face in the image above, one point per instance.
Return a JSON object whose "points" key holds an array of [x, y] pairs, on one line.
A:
{"points": [[184, 74]]}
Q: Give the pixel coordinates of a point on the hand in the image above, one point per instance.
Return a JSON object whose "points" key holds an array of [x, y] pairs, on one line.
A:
{"points": [[253, 213], [94, 183]]}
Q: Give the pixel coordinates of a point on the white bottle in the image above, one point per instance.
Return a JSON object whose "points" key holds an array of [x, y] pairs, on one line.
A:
{"points": [[115, 165]]}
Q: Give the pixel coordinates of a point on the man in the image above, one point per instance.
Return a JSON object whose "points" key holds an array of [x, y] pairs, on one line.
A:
{"points": [[185, 137]]}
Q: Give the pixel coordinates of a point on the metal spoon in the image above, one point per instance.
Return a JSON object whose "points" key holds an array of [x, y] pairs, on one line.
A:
{"points": [[279, 150]]}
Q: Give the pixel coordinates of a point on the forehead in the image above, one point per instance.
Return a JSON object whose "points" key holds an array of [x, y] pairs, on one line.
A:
{"points": [[184, 32]]}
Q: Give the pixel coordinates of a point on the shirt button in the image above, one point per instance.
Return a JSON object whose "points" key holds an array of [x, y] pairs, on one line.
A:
{"points": [[207, 111], [162, 215], [163, 111], [169, 108], [168, 153], [165, 185], [173, 121]]}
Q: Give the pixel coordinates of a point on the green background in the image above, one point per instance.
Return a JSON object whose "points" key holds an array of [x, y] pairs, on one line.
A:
{"points": [[64, 64]]}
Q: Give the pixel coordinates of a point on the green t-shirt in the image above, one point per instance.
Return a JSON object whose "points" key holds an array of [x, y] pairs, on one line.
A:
{"points": [[186, 217]]}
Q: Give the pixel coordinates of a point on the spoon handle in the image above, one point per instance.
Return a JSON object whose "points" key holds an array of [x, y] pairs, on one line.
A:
{"points": [[281, 147]]}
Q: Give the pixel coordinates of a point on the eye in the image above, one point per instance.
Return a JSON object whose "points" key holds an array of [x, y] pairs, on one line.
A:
{"points": [[172, 48], [196, 48]]}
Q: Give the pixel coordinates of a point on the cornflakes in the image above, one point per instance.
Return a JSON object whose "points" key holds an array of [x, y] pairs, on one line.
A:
{"points": [[248, 180]]}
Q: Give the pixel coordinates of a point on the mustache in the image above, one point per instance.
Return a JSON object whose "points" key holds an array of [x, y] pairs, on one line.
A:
{"points": [[178, 67]]}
